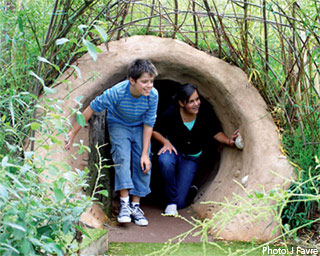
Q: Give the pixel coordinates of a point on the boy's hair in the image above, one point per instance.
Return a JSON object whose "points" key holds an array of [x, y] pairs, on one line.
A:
{"points": [[140, 66], [184, 92]]}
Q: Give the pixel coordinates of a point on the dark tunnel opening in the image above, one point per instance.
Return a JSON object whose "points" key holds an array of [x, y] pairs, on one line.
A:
{"points": [[210, 158], [209, 161]]}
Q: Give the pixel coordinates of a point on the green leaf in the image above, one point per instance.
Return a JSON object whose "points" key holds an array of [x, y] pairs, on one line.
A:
{"points": [[53, 170], [10, 247], [48, 62], [18, 234], [58, 194], [102, 33], [98, 50], [35, 241], [258, 194], [83, 231], [62, 41], [35, 126], [26, 247], [4, 161], [15, 226], [3, 192], [12, 148], [82, 27], [78, 99], [80, 119], [77, 71], [20, 23], [91, 49], [43, 60], [49, 90], [36, 76], [46, 147], [82, 49], [67, 225], [103, 192]]}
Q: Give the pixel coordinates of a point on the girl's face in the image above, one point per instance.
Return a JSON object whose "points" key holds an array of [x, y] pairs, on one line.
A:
{"points": [[192, 105]]}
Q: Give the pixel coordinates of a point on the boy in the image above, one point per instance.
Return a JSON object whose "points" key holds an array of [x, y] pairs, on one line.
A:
{"points": [[131, 113]]}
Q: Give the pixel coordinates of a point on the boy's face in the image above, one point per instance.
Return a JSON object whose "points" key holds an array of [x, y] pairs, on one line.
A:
{"points": [[141, 86]]}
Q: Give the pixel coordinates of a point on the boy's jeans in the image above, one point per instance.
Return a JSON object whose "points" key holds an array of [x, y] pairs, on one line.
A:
{"points": [[126, 149], [178, 172]]}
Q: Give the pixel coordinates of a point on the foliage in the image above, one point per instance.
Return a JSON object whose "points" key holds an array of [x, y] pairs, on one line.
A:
{"points": [[307, 163], [41, 199], [15, 113]]}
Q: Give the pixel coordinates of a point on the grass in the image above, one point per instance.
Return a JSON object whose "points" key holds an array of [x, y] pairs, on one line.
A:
{"points": [[187, 249]]}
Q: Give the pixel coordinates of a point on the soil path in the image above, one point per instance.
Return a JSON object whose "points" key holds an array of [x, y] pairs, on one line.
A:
{"points": [[160, 229]]}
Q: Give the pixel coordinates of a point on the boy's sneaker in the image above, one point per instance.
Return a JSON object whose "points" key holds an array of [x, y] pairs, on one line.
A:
{"points": [[138, 216], [124, 215]]}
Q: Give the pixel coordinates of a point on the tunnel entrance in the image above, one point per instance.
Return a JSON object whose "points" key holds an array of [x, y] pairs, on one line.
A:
{"points": [[236, 101], [209, 159]]}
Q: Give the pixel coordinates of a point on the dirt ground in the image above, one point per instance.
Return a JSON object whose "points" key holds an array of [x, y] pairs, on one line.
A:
{"points": [[160, 229]]}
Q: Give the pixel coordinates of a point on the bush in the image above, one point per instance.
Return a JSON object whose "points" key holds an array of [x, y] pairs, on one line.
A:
{"points": [[40, 199]]}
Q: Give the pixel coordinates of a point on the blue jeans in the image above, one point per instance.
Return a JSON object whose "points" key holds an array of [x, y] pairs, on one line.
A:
{"points": [[126, 149], [178, 172]]}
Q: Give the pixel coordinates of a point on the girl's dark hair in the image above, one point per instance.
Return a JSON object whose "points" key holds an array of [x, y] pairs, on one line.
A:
{"points": [[140, 66], [184, 92]]}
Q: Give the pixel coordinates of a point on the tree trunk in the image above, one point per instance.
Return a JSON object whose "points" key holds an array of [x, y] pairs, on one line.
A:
{"points": [[97, 136]]}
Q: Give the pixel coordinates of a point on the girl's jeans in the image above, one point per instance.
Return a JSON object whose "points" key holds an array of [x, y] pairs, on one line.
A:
{"points": [[126, 149], [178, 172]]}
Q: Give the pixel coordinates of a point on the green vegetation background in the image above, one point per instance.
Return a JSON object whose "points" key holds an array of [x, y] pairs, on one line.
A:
{"points": [[275, 42]]}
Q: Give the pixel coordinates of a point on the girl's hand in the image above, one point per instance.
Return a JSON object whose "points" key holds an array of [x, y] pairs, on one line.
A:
{"points": [[167, 147], [233, 137]]}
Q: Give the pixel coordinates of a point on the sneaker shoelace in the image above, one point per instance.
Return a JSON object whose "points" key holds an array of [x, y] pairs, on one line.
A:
{"points": [[138, 213], [125, 209]]}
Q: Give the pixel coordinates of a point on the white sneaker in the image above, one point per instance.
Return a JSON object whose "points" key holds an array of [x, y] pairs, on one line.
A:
{"points": [[124, 213], [171, 209], [138, 216]]}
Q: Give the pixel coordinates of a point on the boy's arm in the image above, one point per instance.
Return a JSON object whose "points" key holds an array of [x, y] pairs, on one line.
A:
{"points": [[146, 137], [167, 146], [87, 113]]}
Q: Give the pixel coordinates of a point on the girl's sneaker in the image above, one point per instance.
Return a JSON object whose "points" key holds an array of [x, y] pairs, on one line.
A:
{"points": [[138, 216], [171, 210]]}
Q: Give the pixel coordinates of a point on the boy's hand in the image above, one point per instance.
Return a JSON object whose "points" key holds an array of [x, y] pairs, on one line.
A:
{"points": [[145, 163], [69, 140]]}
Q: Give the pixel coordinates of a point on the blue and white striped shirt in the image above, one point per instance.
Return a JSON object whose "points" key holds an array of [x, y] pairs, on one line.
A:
{"points": [[123, 108]]}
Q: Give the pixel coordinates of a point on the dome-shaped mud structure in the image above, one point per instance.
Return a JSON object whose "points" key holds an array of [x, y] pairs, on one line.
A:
{"points": [[236, 102]]}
